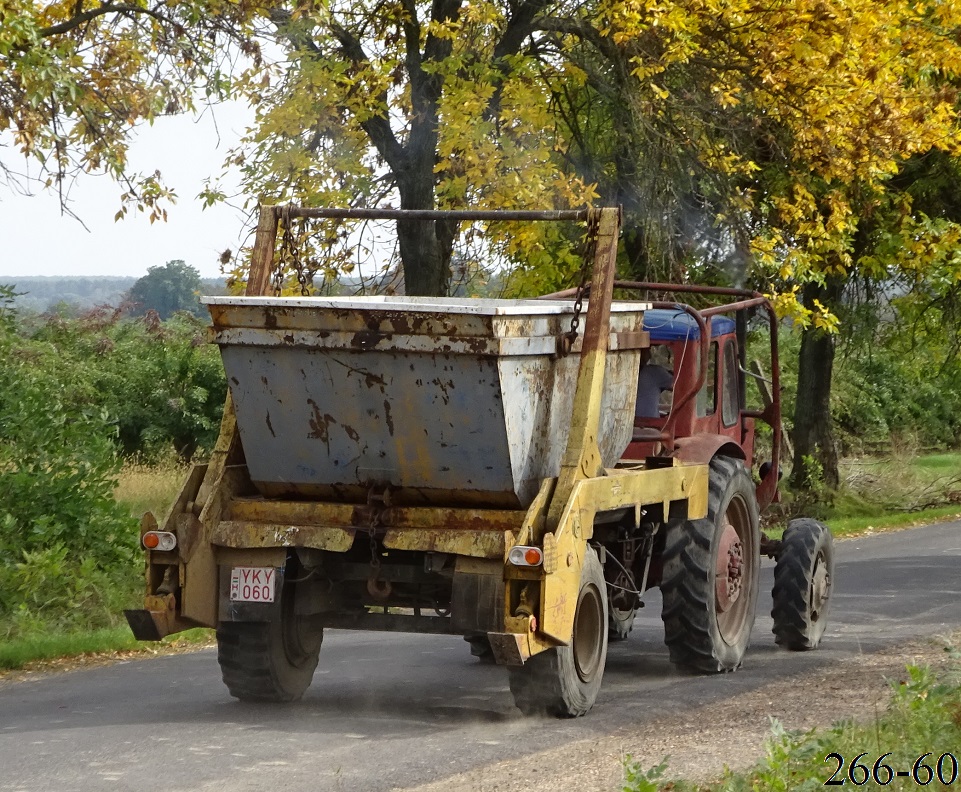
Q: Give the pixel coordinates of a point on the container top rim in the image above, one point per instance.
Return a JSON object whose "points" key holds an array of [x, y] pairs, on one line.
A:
{"points": [[435, 305]]}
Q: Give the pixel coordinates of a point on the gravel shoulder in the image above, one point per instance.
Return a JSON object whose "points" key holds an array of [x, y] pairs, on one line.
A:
{"points": [[702, 742]]}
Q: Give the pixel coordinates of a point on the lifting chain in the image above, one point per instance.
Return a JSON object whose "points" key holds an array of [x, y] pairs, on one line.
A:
{"points": [[588, 251], [289, 257], [377, 588]]}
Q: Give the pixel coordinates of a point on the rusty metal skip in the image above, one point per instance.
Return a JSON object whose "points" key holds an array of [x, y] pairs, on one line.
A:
{"points": [[432, 465]]}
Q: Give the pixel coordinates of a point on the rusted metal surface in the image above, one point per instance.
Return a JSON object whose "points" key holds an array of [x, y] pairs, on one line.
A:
{"points": [[457, 401], [350, 515], [583, 460], [729, 577], [476, 544], [275, 512], [239, 533], [256, 522], [701, 449], [428, 425], [472, 543], [157, 619], [771, 415]]}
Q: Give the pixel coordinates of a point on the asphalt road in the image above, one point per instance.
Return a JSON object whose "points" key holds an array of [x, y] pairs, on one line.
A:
{"points": [[391, 711]]}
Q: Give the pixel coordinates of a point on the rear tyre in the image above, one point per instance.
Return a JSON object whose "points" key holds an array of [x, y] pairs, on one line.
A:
{"points": [[710, 576], [564, 681], [803, 580], [271, 661]]}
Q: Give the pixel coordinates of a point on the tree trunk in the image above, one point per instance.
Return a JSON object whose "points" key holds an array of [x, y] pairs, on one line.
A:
{"points": [[426, 246], [813, 428]]}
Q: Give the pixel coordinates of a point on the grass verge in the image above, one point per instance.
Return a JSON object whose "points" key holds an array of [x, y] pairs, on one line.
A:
{"points": [[915, 743], [861, 526], [30, 651], [883, 494]]}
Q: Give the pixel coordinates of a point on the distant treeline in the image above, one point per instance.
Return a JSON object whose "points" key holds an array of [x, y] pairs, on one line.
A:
{"points": [[38, 294]]}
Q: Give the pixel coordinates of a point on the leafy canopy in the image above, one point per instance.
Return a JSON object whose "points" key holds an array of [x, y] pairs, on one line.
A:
{"points": [[77, 77], [173, 287], [781, 126]]}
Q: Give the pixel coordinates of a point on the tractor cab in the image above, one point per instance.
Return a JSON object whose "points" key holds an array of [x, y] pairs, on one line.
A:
{"points": [[692, 402], [716, 406]]}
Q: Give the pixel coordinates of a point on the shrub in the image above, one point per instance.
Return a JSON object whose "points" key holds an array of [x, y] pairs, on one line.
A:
{"points": [[63, 538]]}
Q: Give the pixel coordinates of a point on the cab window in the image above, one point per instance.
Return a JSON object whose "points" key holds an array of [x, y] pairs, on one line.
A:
{"points": [[730, 406], [707, 396]]}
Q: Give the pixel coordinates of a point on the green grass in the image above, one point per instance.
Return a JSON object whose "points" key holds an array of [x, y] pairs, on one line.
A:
{"points": [[21, 652], [923, 717], [857, 526], [887, 493], [42, 637], [945, 463]]}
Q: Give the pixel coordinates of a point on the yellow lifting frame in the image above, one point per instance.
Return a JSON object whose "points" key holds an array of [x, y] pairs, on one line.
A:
{"points": [[561, 518]]}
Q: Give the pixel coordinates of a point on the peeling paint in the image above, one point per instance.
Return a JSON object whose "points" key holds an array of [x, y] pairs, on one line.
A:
{"points": [[388, 418]]}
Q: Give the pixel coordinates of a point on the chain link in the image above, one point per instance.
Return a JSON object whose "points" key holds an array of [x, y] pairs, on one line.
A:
{"points": [[588, 251], [376, 519], [290, 256], [374, 555], [379, 589]]}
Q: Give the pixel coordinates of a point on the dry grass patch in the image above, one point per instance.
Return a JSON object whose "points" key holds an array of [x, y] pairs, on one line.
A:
{"points": [[143, 487]]}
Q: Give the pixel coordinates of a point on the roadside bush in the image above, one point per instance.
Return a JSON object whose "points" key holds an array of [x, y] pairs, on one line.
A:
{"points": [[161, 384], [164, 386], [64, 542], [884, 394]]}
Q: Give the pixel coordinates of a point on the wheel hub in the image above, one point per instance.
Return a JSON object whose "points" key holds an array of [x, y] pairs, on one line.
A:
{"points": [[820, 587], [729, 572], [588, 628]]}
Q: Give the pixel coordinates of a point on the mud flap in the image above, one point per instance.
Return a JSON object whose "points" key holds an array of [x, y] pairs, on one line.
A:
{"points": [[142, 625], [510, 649], [477, 596]]}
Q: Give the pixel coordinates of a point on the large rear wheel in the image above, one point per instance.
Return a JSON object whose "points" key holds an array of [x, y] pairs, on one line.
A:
{"points": [[803, 579], [564, 681], [710, 575], [271, 661]]}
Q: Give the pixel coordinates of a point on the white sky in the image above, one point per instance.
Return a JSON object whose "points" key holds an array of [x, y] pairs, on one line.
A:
{"points": [[35, 239]]}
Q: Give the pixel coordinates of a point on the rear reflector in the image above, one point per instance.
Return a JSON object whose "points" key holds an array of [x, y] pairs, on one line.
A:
{"points": [[159, 540], [521, 555]]}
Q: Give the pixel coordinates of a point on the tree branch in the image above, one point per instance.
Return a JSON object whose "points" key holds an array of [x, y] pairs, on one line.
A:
{"points": [[106, 8], [377, 127]]}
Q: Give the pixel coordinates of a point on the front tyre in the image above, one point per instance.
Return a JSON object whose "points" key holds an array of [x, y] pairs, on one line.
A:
{"points": [[711, 569], [564, 681], [803, 579]]}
